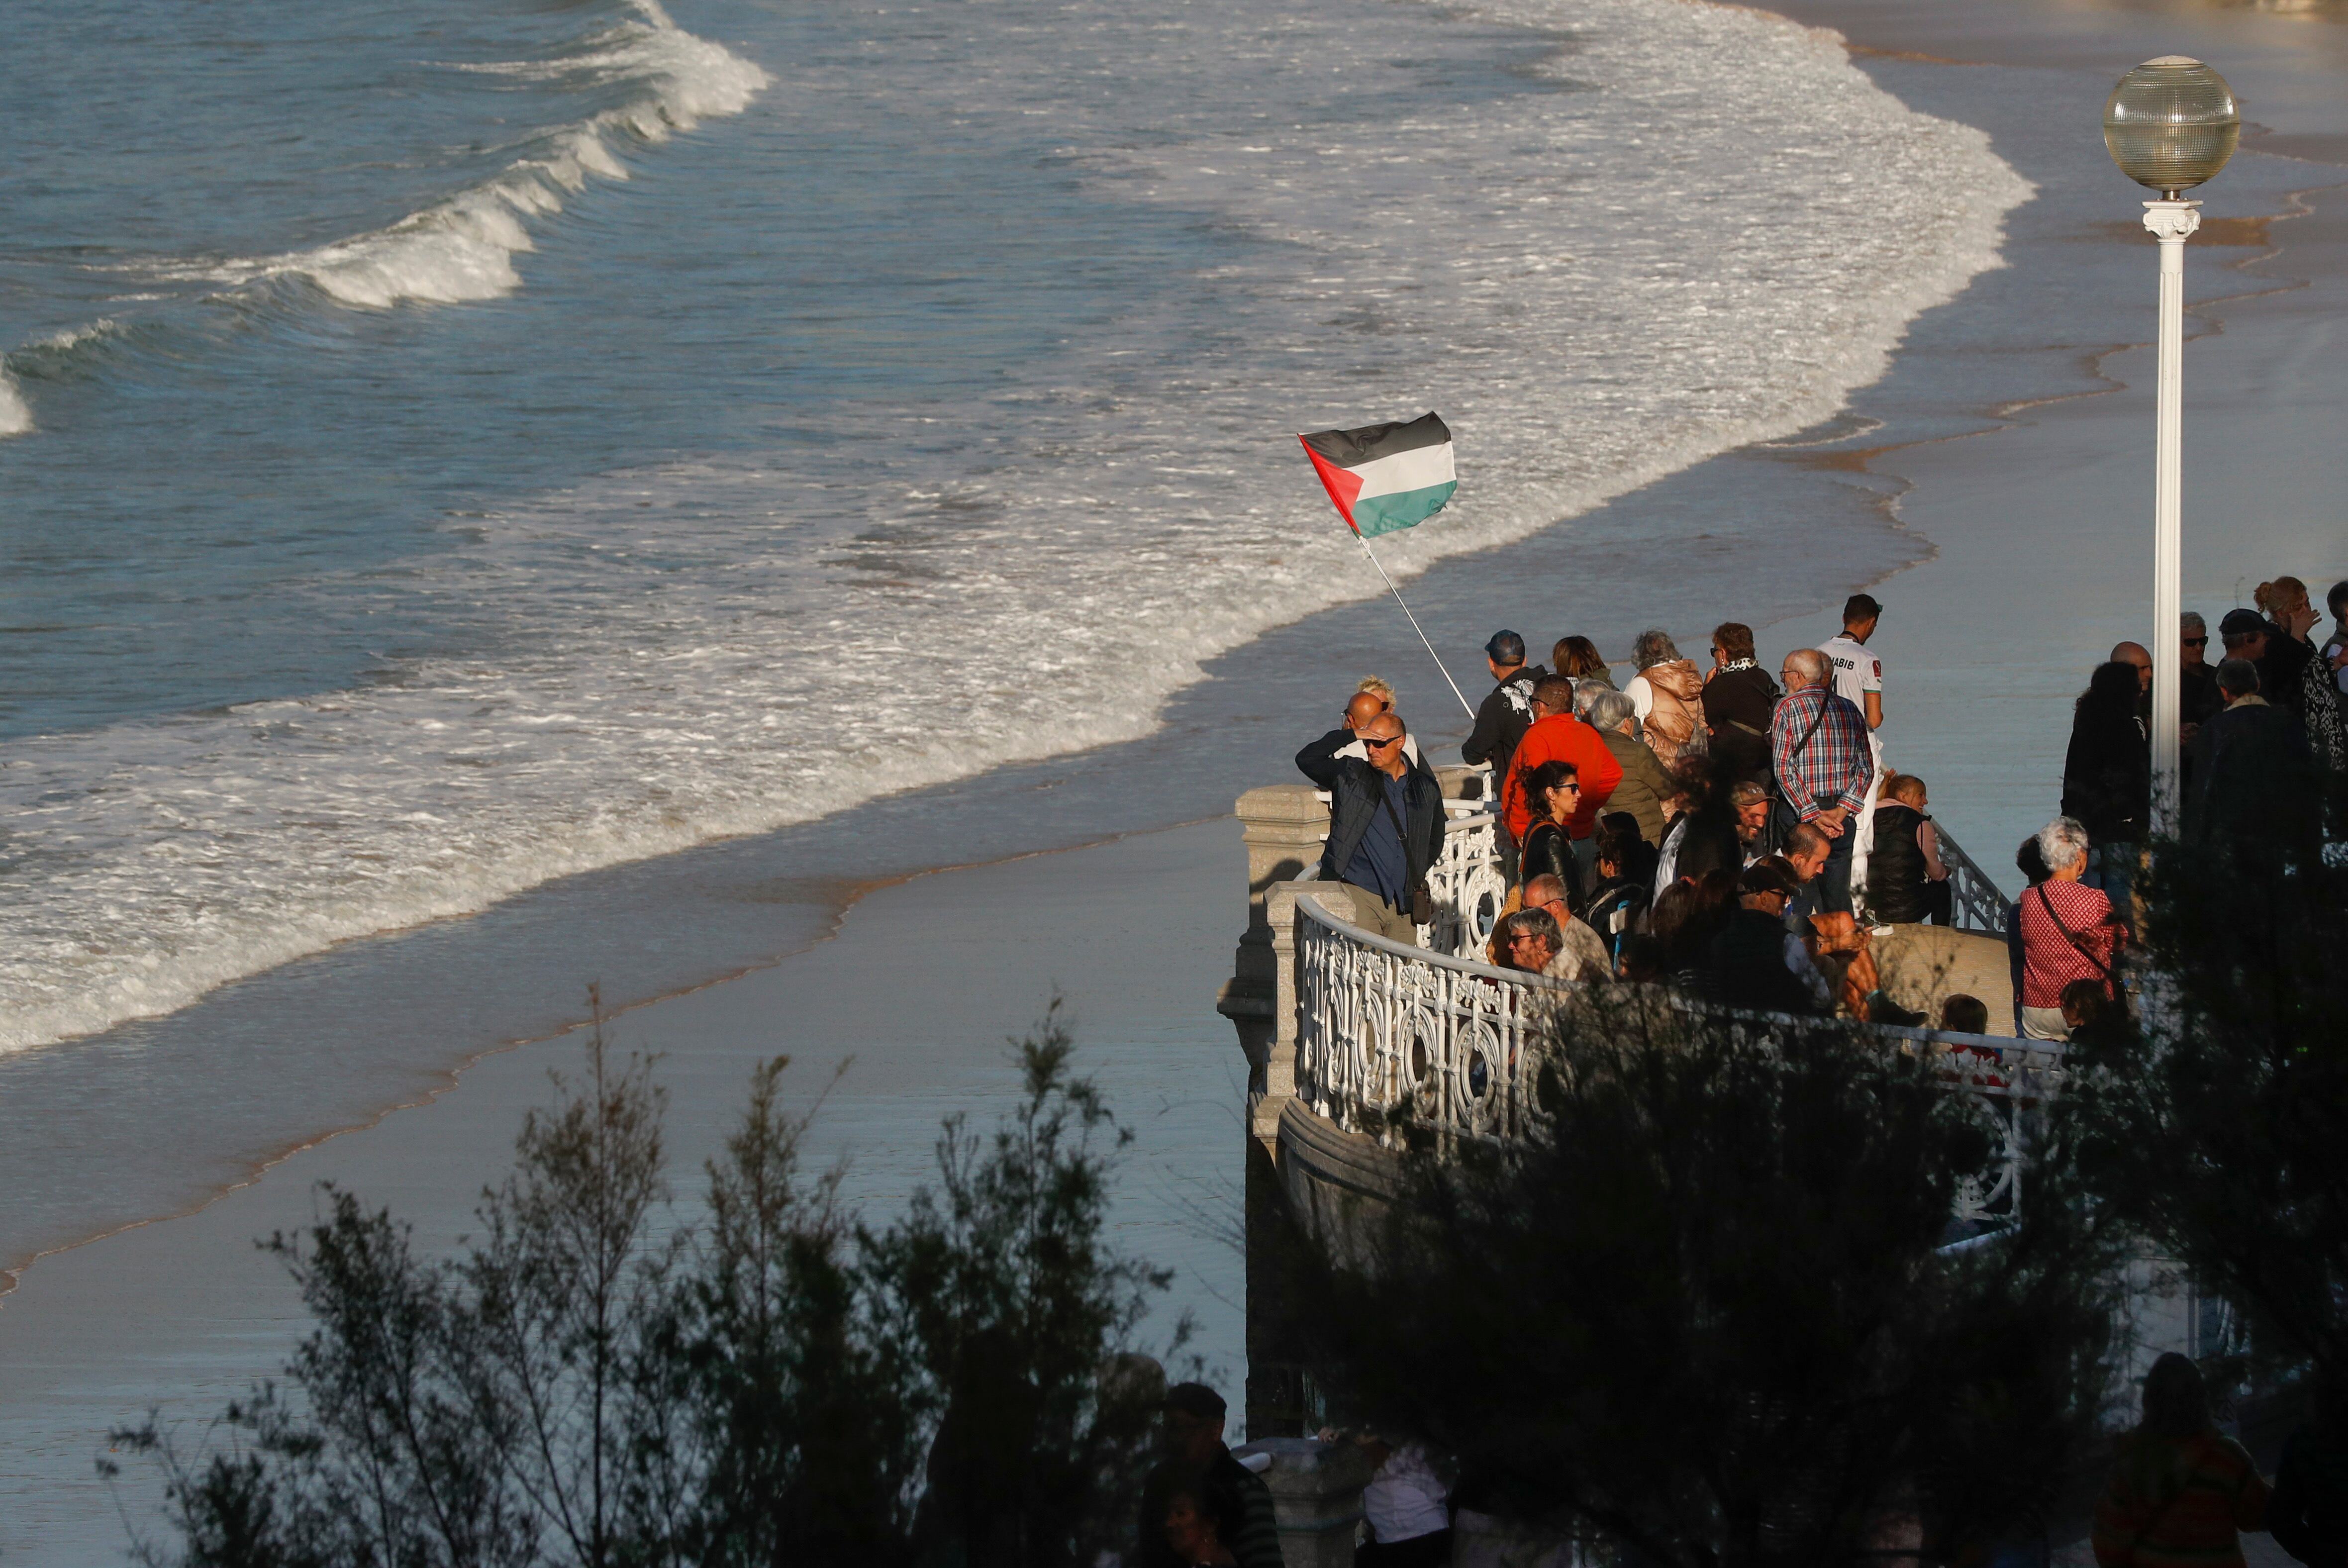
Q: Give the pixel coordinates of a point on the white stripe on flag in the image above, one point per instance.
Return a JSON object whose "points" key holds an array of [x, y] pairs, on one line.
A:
{"points": [[1422, 468]]}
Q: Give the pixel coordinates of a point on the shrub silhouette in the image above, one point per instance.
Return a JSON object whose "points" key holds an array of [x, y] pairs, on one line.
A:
{"points": [[776, 1382], [1711, 1314]]}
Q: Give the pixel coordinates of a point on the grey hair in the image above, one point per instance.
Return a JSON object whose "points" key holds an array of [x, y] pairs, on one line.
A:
{"points": [[1532, 923], [1585, 691], [1655, 647], [1811, 663], [1608, 708], [2061, 842], [2192, 618]]}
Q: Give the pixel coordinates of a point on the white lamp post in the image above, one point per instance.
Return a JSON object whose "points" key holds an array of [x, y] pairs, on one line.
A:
{"points": [[2170, 125]]}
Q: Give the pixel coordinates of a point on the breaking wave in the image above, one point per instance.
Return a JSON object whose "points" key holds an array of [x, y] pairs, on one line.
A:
{"points": [[15, 417], [464, 248]]}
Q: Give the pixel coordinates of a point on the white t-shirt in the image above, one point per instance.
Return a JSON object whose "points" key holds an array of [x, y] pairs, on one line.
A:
{"points": [[1857, 669], [1404, 1500], [1667, 864]]}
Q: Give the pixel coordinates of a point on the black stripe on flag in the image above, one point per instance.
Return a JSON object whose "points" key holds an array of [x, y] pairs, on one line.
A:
{"points": [[1352, 448]]}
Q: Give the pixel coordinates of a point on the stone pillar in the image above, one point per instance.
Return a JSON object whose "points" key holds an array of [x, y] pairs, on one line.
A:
{"points": [[1276, 1388], [1275, 1080], [1316, 1491], [1282, 826]]}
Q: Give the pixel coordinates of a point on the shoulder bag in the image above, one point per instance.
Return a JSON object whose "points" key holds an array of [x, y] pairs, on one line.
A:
{"points": [[2070, 936], [1783, 822]]}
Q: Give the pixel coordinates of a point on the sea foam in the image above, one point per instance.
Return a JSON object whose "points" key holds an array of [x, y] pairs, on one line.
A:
{"points": [[15, 417], [1707, 229]]}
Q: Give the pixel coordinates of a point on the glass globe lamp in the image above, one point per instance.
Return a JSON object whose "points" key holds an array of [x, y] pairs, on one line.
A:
{"points": [[2171, 124]]}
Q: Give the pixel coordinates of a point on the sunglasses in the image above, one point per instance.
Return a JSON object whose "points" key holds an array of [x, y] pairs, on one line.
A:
{"points": [[2196, 642], [1386, 740]]}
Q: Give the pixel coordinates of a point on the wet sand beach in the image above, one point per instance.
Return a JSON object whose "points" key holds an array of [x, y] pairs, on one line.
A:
{"points": [[1994, 489]]}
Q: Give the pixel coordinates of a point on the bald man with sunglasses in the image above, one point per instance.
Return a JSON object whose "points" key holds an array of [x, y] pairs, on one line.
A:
{"points": [[1386, 824]]}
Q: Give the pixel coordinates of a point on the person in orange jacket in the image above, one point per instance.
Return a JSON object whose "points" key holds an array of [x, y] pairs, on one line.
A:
{"points": [[1556, 736]]}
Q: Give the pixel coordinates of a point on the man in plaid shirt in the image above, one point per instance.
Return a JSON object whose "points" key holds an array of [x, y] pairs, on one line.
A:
{"points": [[1817, 742]]}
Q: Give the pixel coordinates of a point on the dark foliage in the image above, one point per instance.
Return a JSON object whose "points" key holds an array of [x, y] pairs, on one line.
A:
{"points": [[2219, 1126], [774, 1383], [1710, 1316]]}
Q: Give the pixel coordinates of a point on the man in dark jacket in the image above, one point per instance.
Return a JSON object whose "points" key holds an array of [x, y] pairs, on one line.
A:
{"points": [[1385, 823], [1195, 1455], [1755, 962], [2252, 774], [1507, 708]]}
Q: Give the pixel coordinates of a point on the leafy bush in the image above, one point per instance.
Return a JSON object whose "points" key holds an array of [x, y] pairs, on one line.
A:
{"points": [[1711, 1316], [776, 1383]]}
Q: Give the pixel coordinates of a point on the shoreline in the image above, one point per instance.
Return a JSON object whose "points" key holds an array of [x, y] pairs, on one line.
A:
{"points": [[450, 1078], [230, 1312]]}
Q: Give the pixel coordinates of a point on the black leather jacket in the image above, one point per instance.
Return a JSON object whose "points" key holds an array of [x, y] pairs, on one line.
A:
{"points": [[1356, 790], [1548, 850]]}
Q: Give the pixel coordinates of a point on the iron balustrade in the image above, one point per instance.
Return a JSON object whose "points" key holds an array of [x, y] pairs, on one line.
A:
{"points": [[1393, 1040], [1978, 904]]}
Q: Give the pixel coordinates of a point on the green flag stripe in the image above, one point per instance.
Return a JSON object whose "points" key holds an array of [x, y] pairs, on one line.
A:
{"points": [[1374, 515]]}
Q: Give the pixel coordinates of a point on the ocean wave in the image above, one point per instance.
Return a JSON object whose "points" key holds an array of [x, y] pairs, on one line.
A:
{"points": [[462, 248], [1717, 239]]}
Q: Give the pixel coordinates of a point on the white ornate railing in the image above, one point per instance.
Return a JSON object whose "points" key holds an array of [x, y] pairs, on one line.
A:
{"points": [[1384, 1028], [1390, 1039], [1466, 881]]}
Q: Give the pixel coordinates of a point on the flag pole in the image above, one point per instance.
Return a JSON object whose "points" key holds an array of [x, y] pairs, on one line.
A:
{"points": [[1414, 623]]}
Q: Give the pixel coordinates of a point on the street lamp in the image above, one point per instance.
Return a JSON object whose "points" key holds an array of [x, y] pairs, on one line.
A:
{"points": [[2170, 125]]}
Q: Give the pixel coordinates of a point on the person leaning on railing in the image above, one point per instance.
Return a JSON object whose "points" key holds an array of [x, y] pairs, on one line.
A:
{"points": [[1385, 825], [1532, 941]]}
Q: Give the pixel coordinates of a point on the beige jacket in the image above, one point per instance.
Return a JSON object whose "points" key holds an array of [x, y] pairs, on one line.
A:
{"points": [[1676, 723]]}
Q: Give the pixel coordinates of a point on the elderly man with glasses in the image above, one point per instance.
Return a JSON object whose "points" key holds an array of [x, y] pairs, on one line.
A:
{"points": [[1826, 770], [1386, 824]]}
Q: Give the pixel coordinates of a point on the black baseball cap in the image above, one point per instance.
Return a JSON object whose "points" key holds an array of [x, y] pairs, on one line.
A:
{"points": [[2241, 623], [1506, 648], [1195, 1399]]}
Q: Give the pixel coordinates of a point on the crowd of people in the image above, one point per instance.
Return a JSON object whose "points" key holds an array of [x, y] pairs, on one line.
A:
{"points": [[1739, 835], [1721, 830]]}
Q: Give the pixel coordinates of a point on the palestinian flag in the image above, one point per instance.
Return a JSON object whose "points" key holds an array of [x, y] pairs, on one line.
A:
{"points": [[1385, 477]]}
